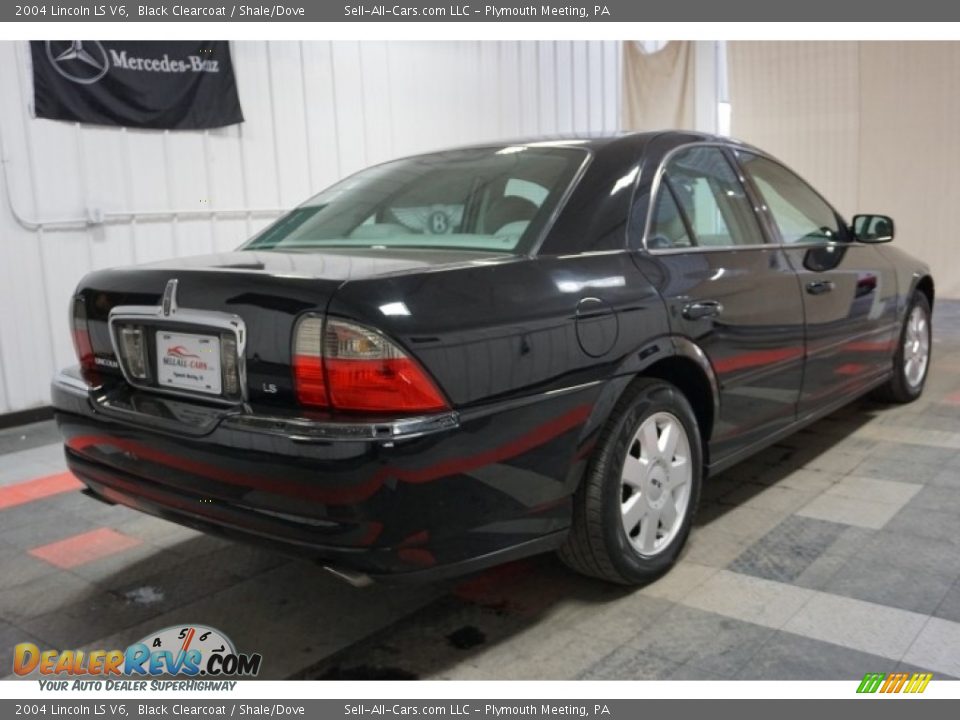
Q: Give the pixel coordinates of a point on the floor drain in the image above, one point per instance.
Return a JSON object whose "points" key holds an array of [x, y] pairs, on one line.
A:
{"points": [[467, 637], [147, 595]]}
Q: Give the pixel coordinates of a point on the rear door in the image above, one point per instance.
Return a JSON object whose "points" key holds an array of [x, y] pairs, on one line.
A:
{"points": [[848, 288], [729, 290]]}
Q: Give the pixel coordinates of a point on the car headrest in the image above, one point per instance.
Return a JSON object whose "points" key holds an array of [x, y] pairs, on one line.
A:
{"points": [[509, 210], [513, 229]]}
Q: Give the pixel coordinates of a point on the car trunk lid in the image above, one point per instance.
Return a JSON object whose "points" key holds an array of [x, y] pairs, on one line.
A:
{"points": [[266, 291]]}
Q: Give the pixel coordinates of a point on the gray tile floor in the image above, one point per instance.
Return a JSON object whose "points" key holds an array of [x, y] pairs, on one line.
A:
{"points": [[834, 553]]}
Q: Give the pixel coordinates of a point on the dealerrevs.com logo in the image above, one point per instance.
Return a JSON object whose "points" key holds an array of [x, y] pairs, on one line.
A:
{"points": [[190, 651]]}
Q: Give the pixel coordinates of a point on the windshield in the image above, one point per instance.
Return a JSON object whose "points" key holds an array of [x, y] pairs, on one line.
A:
{"points": [[495, 199]]}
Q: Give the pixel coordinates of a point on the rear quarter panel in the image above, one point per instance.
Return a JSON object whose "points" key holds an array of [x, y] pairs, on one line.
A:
{"points": [[509, 331], [502, 343]]}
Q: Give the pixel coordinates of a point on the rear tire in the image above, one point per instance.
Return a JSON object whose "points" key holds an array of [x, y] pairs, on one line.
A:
{"points": [[911, 363], [634, 509]]}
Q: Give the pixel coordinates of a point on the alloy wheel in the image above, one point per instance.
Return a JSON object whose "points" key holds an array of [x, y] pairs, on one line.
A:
{"points": [[916, 347], [656, 481]]}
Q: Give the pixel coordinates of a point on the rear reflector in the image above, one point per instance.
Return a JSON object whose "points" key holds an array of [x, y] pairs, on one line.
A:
{"points": [[357, 368], [133, 350], [228, 365]]}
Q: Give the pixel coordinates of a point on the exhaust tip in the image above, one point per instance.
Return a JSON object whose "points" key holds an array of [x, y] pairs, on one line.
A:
{"points": [[356, 579], [96, 496]]}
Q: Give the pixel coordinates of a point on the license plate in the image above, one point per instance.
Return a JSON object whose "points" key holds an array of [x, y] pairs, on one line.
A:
{"points": [[188, 362]]}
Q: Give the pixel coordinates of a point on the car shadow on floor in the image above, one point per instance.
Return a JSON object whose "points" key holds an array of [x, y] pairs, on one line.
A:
{"points": [[537, 609], [829, 448], [534, 613]]}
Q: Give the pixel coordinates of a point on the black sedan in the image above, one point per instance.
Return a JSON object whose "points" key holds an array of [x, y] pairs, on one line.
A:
{"points": [[456, 359]]}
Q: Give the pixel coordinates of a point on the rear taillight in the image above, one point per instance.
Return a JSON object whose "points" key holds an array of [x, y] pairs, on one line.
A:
{"points": [[81, 342], [365, 371], [308, 363], [345, 366]]}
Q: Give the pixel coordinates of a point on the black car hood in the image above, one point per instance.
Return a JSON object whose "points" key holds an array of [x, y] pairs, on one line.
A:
{"points": [[333, 263]]}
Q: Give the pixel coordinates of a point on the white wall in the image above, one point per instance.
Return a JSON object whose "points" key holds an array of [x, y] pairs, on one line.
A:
{"points": [[315, 111], [872, 125]]}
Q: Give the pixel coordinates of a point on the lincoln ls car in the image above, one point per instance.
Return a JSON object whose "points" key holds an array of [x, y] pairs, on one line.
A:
{"points": [[452, 360]]}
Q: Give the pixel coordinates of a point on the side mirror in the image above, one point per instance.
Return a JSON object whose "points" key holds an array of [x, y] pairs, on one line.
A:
{"points": [[872, 228]]}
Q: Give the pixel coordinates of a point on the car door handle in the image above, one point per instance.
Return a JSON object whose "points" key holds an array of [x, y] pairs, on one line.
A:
{"points": [[702, 309], [819, 287]]}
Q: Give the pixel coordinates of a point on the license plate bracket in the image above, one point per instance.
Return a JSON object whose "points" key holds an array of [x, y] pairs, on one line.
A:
{"points": [[189, 362]]}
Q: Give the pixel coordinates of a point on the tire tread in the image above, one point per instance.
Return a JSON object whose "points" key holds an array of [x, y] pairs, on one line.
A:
{"points": [[585, 550], [896, 391]]}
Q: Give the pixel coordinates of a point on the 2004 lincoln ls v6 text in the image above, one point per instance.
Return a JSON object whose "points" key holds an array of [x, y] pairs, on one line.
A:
{"points": [[451, 360]]}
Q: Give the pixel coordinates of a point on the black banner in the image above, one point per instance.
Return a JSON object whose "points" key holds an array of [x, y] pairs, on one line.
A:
{"points": [[180, 85], [358, 11], [107, 708]]}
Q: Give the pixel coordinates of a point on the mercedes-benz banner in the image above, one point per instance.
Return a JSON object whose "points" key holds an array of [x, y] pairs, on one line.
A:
{"points": [[183, 85]]}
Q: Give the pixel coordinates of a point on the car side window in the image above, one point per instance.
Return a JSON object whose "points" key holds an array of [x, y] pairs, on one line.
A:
{"points": [[702, 203], [669, 228], [801, 215]]}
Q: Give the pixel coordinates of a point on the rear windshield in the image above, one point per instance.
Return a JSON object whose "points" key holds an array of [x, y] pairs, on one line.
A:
{"points": [[495, 199]]}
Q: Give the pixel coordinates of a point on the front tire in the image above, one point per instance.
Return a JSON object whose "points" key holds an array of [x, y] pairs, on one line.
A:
{"points": [[912, 360], [634, 509]]}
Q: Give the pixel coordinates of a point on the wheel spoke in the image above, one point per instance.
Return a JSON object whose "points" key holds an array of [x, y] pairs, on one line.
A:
{"points": [[679, 475], [633, 510], [633, 471], [668, 516], [649, 439], [647, 539], [909, 368], [668, 441]]}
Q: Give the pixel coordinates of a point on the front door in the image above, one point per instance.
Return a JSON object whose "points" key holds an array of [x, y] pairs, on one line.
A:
{"points": [[728, 290], [849, 289]]}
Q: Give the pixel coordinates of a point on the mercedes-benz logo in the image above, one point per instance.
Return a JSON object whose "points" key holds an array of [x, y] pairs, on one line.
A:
{"points": [[80, 61]]}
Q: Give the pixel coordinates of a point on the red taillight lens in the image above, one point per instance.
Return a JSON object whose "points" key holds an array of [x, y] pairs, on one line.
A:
{"points": [[81, 342], [358, 369], [382, 385]]}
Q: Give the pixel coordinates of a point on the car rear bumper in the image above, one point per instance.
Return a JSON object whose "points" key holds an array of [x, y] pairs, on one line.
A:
{"points": [[412, 499]]}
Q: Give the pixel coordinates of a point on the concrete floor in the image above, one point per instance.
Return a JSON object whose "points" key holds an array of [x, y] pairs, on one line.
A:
{"points": [[834, 553]]}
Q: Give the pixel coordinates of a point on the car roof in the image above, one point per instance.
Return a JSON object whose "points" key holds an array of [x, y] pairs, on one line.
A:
{"points": [[601, 141], [595, 143]]}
